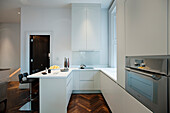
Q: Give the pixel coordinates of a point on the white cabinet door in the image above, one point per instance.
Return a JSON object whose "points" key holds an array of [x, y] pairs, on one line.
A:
{"points": [[96, 80], [78, 28], [86, 80], [118, 99], [93, 28], [86, 85], [146, 27], [107, 91], [121, 41], [76, 80], [86, 27], [69, 88], [86, 75]]}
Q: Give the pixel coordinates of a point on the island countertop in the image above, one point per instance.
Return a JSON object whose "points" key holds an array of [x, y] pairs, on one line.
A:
{"points": [[57, 74]]}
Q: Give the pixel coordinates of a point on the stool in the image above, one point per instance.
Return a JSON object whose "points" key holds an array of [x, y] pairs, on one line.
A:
{"points": [[28, 105]]}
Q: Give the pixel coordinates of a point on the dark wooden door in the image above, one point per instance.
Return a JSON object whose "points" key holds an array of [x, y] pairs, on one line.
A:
{"points": [[39, 52]]}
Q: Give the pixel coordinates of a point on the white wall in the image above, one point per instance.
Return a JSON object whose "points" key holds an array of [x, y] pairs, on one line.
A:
{"points": [[57, 22], [10, 47]]}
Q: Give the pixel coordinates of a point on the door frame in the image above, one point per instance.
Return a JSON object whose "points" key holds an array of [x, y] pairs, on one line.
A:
{"points": [[28, 45]]}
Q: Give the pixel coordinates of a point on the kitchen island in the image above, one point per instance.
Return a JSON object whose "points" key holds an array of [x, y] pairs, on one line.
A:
{"points": [[55, 90]]}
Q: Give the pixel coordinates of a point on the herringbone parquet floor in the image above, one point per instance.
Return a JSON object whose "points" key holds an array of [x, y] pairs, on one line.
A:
{"points": [[87, 103], [79, 103]]}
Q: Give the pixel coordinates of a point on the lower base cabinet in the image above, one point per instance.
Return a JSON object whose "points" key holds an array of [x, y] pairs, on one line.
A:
{"points": [[86, 80], [69, 88], [55, 94], [118, 99]]}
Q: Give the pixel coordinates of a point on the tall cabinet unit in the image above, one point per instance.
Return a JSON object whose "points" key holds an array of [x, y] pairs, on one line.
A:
{"points": [[146, 27], [78, 28], [93, 28], [86, 30]]}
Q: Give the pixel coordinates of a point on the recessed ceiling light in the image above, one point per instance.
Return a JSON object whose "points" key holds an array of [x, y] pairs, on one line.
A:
{"points": [[19, 13]]}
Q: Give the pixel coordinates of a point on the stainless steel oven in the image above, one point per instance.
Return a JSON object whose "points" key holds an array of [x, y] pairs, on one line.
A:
{"points": [[147, 81]]}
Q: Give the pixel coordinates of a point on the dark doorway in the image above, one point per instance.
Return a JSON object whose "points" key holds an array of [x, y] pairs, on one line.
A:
{"points": [[39, 52]]}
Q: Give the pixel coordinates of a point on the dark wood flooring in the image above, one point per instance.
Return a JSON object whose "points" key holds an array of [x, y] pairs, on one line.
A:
{"points": [[79, 103], [87, 103]]}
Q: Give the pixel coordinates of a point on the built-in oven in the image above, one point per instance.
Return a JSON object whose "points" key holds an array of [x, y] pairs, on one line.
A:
{"points": [[147, 81]]}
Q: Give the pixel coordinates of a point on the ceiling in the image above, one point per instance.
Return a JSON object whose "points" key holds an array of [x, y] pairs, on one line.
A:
{"points": [[9, 8]]}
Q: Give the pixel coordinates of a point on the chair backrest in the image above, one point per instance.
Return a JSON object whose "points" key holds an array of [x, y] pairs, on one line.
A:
{"points": [[3, 90], [20, 76], [25, 74]]}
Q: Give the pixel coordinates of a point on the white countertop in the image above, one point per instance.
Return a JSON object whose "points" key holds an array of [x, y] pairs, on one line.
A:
{"points": [[56, 74]]}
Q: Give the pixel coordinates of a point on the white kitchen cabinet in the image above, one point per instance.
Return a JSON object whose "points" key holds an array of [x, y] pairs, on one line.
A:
{"points": [[86, 85], [78, 28], [146, 27], [86, 80], [86, 75], [121, 41], [93, 28], [69, 88], [86, 27], [96, 80], [55, 94], [76, 80], [118, 99]]}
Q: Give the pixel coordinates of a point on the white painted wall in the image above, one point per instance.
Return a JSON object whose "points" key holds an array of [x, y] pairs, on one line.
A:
{"points": [[57, 22], [10, 47]]}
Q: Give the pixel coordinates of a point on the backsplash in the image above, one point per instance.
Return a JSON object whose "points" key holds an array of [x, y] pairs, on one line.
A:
{"points": [[87, 58]]}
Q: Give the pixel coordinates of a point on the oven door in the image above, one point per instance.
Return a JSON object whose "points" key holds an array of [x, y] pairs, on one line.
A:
{"points": [[150, 89]]}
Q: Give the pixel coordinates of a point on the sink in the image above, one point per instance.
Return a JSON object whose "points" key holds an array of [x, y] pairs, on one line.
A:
{"points": [[87, 68]]}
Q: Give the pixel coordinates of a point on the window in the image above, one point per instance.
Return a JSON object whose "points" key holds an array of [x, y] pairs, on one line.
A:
{"points": [[112, 36]]}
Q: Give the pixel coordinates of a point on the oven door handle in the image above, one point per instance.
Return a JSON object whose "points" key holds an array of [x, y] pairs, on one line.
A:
{"points": [[155, 77]]}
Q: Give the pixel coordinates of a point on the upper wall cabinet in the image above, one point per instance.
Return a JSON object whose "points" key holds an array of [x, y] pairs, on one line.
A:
{"points": [[146, 27], [86, 27], [78, 28]]}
